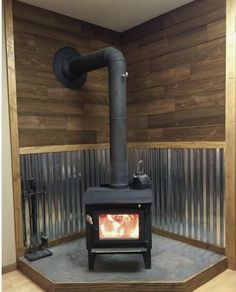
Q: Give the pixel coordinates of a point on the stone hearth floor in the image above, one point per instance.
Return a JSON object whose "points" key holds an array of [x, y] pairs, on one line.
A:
{"points": [[171, 261]]}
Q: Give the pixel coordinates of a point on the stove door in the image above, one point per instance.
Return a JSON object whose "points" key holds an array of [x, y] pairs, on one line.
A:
{"points": [[115, 227], [118, 226]]}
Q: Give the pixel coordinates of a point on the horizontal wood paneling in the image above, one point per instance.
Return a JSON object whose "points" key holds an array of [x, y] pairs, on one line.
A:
{"points": [[209, 132], [48, 113], [65, 23], [32, 137], [152, 107], [176, 64], [194, 117], [176, 84], [194, 133]]}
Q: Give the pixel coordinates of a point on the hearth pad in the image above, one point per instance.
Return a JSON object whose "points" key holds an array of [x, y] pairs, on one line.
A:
{"points": [[171, 260]]}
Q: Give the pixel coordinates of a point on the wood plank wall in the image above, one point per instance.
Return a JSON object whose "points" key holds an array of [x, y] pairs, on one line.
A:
{"points": [[176, 84], [48, 113]]}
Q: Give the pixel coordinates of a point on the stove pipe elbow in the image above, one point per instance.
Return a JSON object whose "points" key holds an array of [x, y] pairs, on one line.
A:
{"points": [[71, 70]]}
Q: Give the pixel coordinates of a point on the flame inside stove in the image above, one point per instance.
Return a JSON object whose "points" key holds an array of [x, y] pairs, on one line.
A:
{"points": [[118, 226]]}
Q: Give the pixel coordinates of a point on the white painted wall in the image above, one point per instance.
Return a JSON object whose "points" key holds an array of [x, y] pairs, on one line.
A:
{"points": [[118, 15], [8, 229]]}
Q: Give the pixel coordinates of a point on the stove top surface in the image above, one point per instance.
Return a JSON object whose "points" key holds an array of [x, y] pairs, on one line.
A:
{"points": [[106, 195]]}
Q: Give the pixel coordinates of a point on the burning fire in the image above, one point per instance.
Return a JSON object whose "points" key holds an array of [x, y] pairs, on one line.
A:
{"points": [[118, 226]]}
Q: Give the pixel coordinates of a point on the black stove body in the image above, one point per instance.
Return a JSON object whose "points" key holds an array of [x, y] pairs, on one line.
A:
{"points": [[118, 217], [106, 206]]}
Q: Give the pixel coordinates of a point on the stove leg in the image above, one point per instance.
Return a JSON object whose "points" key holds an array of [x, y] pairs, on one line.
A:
{"points": [[91, 260], [147, 259]]}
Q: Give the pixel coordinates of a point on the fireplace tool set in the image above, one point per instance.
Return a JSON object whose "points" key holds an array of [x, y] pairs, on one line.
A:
{"points": [[33, 197]]}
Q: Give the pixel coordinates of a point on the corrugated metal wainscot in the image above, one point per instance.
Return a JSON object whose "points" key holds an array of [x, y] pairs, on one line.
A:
{"points": [[188, 189]]}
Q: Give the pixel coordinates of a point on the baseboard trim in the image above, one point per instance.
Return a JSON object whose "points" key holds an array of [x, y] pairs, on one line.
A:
{"points": [[65, 239], [9, 268], [191, 241]]}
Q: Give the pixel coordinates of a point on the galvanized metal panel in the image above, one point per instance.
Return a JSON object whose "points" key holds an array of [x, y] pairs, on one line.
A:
{"points": [[188, 189]]}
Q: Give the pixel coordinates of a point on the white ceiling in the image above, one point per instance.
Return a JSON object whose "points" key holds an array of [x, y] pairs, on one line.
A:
{"points": [[118, 15]]}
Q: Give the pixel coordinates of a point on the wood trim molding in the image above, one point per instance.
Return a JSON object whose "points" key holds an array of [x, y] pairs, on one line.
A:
{"points": [[230, 149], [66, 239], [206, 275], [149, 286], [35, 275], [193, 144], [61, 148], [64, 148], [120, 287], [194, 242], [11, 80], [9, 268]]}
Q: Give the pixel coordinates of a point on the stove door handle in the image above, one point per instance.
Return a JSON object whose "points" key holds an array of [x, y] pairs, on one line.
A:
{"points": [[89, 220]]}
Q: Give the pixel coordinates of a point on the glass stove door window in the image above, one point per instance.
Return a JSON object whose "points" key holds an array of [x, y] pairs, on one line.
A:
{"points": [[118, 226]]}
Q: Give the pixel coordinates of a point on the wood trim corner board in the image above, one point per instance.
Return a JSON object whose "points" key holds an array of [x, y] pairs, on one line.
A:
{"points": [[11, 83], [64, 148], [230, 147]]}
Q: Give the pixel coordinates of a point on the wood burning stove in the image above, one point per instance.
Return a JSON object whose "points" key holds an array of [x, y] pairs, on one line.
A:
{"points": [[118, 221], [118, 217]]}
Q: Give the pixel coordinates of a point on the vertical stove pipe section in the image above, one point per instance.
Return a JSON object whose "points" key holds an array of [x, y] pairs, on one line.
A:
{"points": [[74, 66]]}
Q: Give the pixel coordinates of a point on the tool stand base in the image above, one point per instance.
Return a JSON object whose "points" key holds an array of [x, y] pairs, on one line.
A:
{"points": [[39, 254]]}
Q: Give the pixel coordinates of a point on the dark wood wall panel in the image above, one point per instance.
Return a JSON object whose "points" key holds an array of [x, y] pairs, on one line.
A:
{"points": [[176, 64], [49, 114], [176, 84]]}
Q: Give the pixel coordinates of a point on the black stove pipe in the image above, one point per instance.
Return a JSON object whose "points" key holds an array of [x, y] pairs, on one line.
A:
{"points": [[71, 68]]}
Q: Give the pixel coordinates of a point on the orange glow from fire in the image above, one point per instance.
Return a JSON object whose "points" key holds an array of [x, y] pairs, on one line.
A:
{"points": [[118, 226]]}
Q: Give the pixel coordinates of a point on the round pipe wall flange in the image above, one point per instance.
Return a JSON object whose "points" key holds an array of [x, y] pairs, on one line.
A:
{"points": [[61, 68]]}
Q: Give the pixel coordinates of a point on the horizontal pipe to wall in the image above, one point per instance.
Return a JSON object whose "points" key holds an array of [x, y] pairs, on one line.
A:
{"points": [[188, 188], [77, 147]]}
